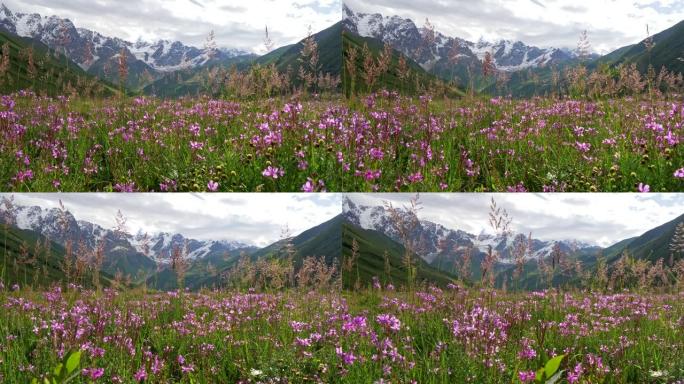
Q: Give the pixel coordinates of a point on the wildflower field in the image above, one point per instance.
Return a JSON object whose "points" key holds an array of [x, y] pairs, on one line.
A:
{"points": [[453, 335], [381, 142]]}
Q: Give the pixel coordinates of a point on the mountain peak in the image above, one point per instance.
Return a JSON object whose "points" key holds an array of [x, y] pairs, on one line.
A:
{"points": [[57, 32], [158, 247], [5, 11], [403, 35], [433, 237]]}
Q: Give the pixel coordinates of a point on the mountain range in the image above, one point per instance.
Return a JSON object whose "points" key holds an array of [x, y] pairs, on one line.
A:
{"points": [[285, 59], [99, 54], [126, 252], [434, 239], [523, 70], [405, 36], [32, 65], [441, 249], [363, 230], [172, 68]]}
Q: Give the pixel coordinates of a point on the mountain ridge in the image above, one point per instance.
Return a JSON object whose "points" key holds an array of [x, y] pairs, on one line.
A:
{"points": [[405, 36], [432, 236], [99, 54], [157, 248]]}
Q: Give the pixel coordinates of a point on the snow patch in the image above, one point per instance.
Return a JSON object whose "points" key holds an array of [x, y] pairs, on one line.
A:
{"points": [[201, 252]]}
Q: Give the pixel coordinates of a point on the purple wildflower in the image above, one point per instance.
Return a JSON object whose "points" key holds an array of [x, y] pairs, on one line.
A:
{"points": [[348, 358], [527, 376], [212, 185], [93, 373], [390, 322], [141, 375], [273, 172], [574, 375]]}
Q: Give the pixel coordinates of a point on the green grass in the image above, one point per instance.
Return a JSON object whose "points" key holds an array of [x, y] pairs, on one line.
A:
{"points": [[145, 145], [234, 337]]}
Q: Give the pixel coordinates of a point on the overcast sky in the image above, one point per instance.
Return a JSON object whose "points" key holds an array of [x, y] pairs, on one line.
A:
{"points": [[237, 23], [611, 24], [257, 219], [600, 219]]}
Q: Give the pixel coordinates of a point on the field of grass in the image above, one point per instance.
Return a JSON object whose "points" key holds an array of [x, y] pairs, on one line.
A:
{"points": [[383, 142], [379, 336]]}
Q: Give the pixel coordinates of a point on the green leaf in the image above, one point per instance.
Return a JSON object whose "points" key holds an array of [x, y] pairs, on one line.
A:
{"points": [[57, 372], [73, 361], [552, 365], [540, 375], [554, 379]]}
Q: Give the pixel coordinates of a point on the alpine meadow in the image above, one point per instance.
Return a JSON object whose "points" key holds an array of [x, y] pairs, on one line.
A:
{"points": [[376, 292], [342, 191], [372, 103]]}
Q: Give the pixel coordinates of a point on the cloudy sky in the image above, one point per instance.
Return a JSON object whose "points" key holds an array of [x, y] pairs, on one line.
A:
{"points": [[257, 219], [237, 23], [601, 219], [610, 24]]}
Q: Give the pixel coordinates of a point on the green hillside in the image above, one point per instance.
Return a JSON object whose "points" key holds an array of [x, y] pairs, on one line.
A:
{"points": [[21, 264], [531, 82], [329, 48], [322, 241], [667, 51], [193, 81], [391, 80], [48, 73], [372, 246], [532, 279], [200, 274], [613, 252], [652, 245], [273, 56]]}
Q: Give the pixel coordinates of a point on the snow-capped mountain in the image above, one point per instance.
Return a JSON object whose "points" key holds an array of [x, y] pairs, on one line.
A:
{"points": [[62, 226], [403, 35], [88, 48], [433, 239]]}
